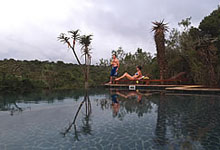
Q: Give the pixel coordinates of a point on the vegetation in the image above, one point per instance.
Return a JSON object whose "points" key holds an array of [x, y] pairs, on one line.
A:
{"points": [[129, 61], [85, 41], [195, 51], [31, 75], [191, 50]]}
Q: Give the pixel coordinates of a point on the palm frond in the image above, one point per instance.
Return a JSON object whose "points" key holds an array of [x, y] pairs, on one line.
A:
{"points": [[86, 52], [160, 26], [85, 41], [74, 34], [63, 38]]}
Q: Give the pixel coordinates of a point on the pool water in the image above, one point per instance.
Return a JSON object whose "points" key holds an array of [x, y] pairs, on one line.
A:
{"points": [[109, 119]]}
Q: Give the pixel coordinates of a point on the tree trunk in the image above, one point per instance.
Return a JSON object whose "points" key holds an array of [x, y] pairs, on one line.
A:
{"points": [[160, 46], [86, 71], [74, 52], [208, 55]]}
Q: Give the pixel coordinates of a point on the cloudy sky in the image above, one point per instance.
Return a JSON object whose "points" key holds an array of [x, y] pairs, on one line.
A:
{"points": [[29, 28]]}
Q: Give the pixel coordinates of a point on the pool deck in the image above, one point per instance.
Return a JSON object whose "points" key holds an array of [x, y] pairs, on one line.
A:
{"points": [[197, 89], [194, 89]]}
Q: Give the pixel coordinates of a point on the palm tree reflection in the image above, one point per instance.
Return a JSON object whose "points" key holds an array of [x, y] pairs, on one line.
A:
{"points": [[160, 130], [12, 107], [15, 109], [86, 127]]}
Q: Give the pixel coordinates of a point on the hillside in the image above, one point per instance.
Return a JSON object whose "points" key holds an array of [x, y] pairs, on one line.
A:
{"points": [[30, 75]]}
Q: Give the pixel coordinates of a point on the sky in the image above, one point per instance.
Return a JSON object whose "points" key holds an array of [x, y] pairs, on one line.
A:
{"points": [[29, 28]]}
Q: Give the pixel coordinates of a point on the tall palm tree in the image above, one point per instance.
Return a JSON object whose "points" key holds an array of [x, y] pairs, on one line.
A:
{"points": [[75, 36], [85, 41], [159, 29]]}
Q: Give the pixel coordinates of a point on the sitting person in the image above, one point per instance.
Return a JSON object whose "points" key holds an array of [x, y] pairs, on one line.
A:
{"points": [[137, 75]]}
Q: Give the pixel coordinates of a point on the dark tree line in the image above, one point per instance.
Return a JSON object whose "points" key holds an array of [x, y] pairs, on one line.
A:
{"points": [[196, 50], [21, 76]]}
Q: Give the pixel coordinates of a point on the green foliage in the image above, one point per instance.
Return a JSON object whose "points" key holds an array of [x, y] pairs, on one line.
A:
{"points": [[129, 61], [103, 62], [211, 24], [195, 50], [33, 75], [185, 23]]}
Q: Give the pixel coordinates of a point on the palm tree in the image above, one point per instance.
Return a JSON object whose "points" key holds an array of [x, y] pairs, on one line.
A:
{"points": [[75, 36], [159, 29], [85, 41]]}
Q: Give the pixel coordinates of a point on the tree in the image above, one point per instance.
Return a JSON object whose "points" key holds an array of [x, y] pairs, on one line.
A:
{"points": [[208, 52], [65, 39], [195, 52], [85, 41], [211, 24], [159, 29], [75, 36], [103, 62]]}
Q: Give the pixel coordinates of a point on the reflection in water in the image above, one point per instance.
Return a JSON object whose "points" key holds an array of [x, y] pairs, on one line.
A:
{"points": [[11, 106], [131, 101], [11, 101], [86, 127], [160, 130], [181, 120], [134, 118], [206, 123], [115, 104], [189, 122], [128, 94], [15, 109]]}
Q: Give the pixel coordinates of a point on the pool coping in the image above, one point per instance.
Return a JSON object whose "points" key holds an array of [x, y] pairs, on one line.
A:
{"points": [[194, 89], [189, 89]]}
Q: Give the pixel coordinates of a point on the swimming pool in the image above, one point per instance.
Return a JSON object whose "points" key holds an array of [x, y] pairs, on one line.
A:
{"points": [[109, 119]]}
